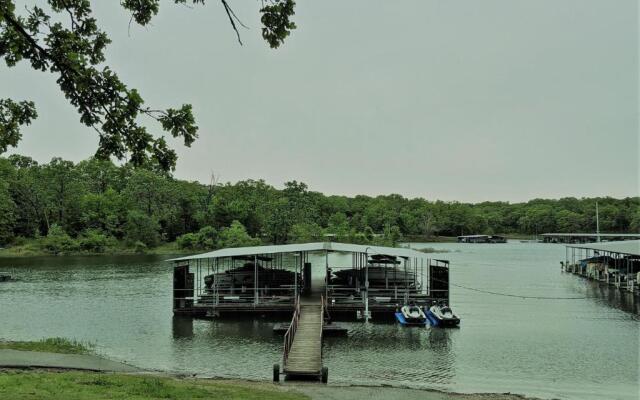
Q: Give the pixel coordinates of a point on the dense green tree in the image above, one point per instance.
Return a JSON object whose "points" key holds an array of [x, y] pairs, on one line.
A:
{"points": [[236, 236], [306, 232], [100, 175], [105, 211], [58, 241], [96, 202], [62, 191], [141, 227], [569, 221], [279, 221], [634, 225], [95, 241], [7, 214], [205, 239]]}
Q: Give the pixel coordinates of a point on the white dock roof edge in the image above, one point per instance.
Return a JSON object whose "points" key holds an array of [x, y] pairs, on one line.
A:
{"points": [[294, 248], [631, 247]]}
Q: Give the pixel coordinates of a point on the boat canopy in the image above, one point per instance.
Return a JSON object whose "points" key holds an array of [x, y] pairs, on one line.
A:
{"points": [[630, 247], [306, 247]]}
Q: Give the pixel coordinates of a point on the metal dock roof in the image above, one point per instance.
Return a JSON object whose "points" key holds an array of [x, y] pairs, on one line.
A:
{"points": [[307, 247], [631, 247], [621, 235]]}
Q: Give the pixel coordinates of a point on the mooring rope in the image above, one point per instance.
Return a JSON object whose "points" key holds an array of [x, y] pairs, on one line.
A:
{"points": [[516, 295], [521, 296]]}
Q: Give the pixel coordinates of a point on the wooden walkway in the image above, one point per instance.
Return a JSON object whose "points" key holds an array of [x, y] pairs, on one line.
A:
{"points": [[305, 355]]}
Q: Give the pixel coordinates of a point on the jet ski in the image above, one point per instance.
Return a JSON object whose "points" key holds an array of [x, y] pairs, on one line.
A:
{"points": [[442, 315], [411, 315]]}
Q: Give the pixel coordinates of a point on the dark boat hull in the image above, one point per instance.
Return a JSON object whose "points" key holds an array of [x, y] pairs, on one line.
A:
{"points": [[244, 276], [378, 277]]}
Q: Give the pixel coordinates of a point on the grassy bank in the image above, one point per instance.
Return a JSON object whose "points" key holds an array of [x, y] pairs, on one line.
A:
{"points": [[33, 248], [21, 385], [50, 345]]}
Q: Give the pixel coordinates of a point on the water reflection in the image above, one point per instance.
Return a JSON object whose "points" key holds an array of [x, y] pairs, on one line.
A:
{"points": [[608, 295], [182, 327], [392, 353]]}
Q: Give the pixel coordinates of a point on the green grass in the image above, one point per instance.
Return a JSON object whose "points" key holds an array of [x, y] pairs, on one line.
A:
{"points": [[21, 385], [51, 345], [30, 247]]}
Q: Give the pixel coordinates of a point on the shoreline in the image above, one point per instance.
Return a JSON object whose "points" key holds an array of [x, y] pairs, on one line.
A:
{"points": [[31, 248], [310, 389], [48, 364], [27, 252]]}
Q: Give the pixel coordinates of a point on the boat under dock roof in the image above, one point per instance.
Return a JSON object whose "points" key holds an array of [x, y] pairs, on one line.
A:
{"points": [[305, 247]]}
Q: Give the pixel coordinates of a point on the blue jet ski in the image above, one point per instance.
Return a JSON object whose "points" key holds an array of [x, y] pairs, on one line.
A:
{"points": [[411, 315]]}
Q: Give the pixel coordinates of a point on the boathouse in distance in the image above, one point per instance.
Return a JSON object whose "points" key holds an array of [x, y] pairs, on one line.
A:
{"points": [[587, 237], [482, 239], [614, 263]]}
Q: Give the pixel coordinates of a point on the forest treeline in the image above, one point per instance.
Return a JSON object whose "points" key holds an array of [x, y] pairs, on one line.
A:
{"points": [[94, 204]]}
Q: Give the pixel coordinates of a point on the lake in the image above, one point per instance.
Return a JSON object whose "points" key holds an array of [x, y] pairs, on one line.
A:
{"points": [[584, 344]]}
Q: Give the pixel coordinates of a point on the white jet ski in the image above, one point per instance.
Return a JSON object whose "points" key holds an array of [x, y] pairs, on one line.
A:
{"points": [[411, 315], [442, 315]]}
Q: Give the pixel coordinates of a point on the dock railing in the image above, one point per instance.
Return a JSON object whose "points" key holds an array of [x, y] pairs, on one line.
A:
{"points": [[325, 309], [291, 332]]}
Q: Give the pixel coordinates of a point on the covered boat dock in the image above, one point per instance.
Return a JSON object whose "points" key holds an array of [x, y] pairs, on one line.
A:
{"points": [[363, 282], [587, 237], [614, 263], [279, 279]]}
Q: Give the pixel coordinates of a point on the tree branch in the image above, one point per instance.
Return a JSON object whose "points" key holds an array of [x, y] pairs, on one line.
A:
{"points": [[231, 16]]}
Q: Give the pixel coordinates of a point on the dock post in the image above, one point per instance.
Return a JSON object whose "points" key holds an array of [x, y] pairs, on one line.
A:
{"points": [[255, 279], [366, 285]]}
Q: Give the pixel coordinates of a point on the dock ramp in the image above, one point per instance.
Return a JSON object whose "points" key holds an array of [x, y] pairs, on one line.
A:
{"points": [[302, 355]]}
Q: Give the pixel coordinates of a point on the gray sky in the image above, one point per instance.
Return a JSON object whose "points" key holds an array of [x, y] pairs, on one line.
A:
{"points": [[443, 99]]}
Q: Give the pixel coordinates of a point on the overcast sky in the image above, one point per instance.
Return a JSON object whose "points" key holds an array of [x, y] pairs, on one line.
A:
{"points": [[446, 99]]}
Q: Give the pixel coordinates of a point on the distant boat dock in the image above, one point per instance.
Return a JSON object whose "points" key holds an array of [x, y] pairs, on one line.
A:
{"points": [[587, 237], [482, 239], [613, 263]]}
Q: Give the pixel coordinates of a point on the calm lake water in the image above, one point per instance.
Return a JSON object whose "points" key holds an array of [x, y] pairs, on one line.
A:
{"points": [[584, 348]]}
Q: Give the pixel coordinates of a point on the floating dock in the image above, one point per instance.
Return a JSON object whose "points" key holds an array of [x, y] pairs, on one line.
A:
{"points": [[268, 279], [613, 263], [482, 239], [587, 237], [278, 279]]}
